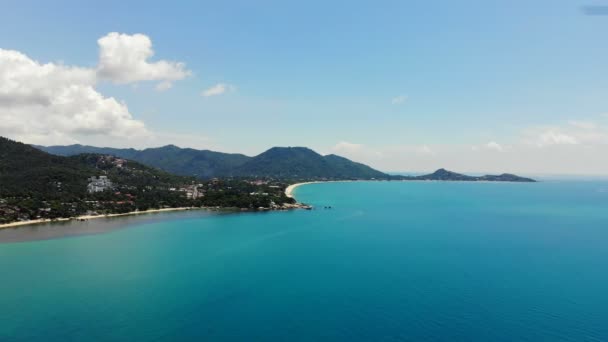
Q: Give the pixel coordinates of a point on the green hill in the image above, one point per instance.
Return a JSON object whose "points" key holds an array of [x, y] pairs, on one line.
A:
{"points": [[180, 161], [277, 162], [304, 163], [26, 171]]}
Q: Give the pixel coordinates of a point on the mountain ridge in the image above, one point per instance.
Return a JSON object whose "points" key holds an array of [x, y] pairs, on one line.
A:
{"points": [[282, 162], [295, 163]]}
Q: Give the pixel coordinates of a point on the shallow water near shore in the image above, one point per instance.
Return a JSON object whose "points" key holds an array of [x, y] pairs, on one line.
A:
{"points": [[99, 225], [391, 261]]}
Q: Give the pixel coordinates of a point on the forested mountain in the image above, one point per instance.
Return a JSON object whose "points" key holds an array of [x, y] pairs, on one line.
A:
{"points": [[277, 162], [71, 150], [180, 161], [304, 163], [26, 171], [190, 162]]}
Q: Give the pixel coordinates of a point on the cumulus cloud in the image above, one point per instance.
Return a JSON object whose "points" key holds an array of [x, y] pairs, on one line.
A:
{"points": [[399, 99], [218, 89], [51, 103], [125, 58]]}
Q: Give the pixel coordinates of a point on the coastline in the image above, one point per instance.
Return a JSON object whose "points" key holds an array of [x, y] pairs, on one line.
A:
{"points": [[289, 190], [91, 217]]}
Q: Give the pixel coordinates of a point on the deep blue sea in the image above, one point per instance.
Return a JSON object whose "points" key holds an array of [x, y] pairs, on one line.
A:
{"points": [[391, 261]]}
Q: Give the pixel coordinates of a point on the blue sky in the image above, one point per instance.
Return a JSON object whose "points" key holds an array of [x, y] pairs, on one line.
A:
{"points": [[403, 85]]}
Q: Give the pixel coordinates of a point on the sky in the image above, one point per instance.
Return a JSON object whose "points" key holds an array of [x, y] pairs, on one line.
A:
{"points": [[471, 86]]}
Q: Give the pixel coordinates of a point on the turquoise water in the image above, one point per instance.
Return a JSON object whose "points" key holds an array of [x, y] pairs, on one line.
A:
{"points": [[414, 261]]}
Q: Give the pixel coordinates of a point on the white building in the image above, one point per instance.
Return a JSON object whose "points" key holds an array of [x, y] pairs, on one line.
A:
{"points": [[99, 184]]}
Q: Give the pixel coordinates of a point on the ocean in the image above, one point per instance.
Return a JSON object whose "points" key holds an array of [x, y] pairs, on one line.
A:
{"points": [[390, 261]]}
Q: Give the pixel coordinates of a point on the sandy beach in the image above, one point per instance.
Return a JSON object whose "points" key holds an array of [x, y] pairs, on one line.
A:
{"points": [[90, 217], [289, 190]]}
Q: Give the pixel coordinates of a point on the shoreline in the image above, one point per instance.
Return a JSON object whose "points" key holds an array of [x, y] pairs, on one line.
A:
{"points": [[18, 224], [289, 190], [91, 217]]}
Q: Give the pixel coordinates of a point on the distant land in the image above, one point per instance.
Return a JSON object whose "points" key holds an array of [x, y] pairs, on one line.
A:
{"points": [[278, 162], [445, 175], [290, 163]]}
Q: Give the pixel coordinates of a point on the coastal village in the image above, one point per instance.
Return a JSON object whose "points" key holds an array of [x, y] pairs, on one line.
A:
{"points": [[108, 193]]}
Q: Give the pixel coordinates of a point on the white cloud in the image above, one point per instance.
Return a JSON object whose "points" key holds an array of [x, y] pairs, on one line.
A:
{"points": [[523, 159], [572, 147], [580, 132], [346, 147], [51, 103], [493, 145], [124, 58], [588, 125], [218, 89], [490, 146], [54, 103], [554, 137], [424, 150], [399, 99], [356, 152]]}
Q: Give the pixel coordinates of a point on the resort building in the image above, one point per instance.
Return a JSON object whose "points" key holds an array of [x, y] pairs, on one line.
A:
{"points": [[99, 184]]}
